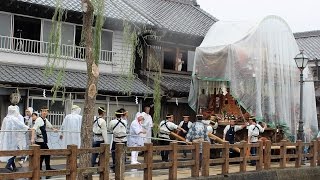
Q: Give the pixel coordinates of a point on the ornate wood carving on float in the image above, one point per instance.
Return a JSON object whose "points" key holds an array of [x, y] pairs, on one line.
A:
{"points": [[223, 105]]}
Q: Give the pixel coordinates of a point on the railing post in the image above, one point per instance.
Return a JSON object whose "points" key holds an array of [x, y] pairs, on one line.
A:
{"points": [[225, 155], [72, 162], [104, 161], [299, 153], [34, 163], [196, 158], [120, 168], [318, 145], [205, 158], [174, 159], [267, 155], [283, 154], [243, 155], [260, 155], [148, 159], [314, 153]]}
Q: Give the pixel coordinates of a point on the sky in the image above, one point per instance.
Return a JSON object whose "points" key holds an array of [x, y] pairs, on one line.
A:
{"points": [[301, 15]]}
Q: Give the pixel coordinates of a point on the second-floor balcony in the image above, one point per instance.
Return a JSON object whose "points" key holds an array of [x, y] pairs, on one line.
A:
{"points": [[32, 52], [41, 48]]}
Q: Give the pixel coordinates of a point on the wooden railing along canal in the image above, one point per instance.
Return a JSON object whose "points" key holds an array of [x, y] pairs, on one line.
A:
{"points": [[267, 152]]}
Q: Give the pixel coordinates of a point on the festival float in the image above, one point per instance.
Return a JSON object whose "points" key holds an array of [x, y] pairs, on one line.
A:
{"points": [[248, 68]]}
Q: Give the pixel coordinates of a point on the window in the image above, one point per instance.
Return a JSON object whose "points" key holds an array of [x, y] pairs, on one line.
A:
{"points": [[190, 60], [5, 30], [27, 28], [5, 22], [57, 106], [106, 40], [106, 46], [184, 59], [79, 51], [169, 60], [37, 104]]}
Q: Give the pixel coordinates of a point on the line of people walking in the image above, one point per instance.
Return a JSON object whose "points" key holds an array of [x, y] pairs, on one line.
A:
{"points": [[199, 130], [139, 131], [116, 131]]}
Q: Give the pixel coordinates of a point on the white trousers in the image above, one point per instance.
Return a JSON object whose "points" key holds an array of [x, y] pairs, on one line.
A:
{"points": [[134, 157]]}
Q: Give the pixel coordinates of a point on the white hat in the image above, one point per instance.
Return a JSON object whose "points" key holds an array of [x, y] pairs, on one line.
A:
{"points": [[12, 110], [36, 113], [74, 107], [143, 114], [30, 109], [139, 115]]}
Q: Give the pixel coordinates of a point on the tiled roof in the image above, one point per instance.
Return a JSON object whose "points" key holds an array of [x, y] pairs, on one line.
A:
{"points": [[175, 16], [116, 9], [174, 82], [180, 16], [73, 79], [310, 42]]}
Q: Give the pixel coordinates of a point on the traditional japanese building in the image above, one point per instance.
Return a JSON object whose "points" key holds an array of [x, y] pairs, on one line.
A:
{"points": [[24, 41]]}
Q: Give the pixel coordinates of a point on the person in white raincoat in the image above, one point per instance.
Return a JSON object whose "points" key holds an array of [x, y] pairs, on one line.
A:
{"points": [[136, 138], [72, 122], [147, 124], [28, 117], [21, 135], [9, 139], [28, 122]]}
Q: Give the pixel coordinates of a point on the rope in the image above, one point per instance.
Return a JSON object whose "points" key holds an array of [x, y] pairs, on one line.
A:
{"points": [[155, 138], [31, 130]]}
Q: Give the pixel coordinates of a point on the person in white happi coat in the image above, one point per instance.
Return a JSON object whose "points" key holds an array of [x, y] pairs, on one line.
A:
{"points": [[165, 128], [118, 127], [254, 130], [213, 125], [136, 136], [9, 137], [72, 122], [100, 132], [39, 135], [147, 124], [186, 125]]}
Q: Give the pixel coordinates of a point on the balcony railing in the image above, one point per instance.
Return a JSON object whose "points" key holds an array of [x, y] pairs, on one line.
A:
{"points": [[34, 47]]}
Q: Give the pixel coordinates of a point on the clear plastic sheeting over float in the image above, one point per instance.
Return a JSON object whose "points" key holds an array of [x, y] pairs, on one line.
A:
{"points": [[256, 61]]}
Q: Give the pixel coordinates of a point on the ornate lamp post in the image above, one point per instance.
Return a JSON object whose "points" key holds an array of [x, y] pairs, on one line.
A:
{"points": [[301, 61]]}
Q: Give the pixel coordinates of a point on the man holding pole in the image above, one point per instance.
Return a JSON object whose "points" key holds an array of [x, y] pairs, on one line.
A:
{"points": [[198, 133], [166, 127]]}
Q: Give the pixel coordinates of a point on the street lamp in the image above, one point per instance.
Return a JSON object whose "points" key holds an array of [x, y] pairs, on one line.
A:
{"points": [[301, 61]]}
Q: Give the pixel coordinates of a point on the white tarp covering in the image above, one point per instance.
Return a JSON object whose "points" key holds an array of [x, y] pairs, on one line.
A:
{"points": [[256, 61]]}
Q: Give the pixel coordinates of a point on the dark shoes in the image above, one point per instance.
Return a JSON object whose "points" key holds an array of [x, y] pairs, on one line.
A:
{"points": [[9, 168], [50, 169], [184, 155], [13, 169]]}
